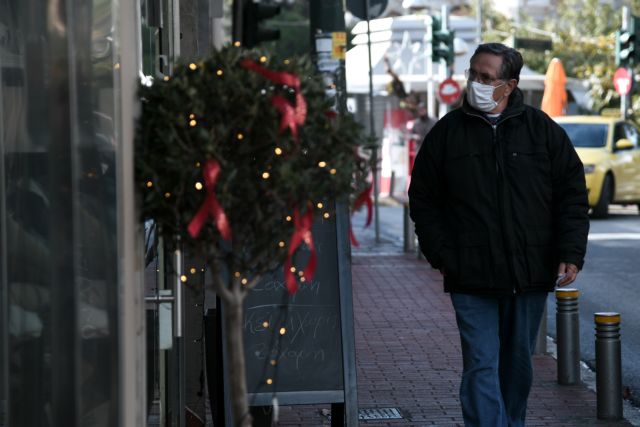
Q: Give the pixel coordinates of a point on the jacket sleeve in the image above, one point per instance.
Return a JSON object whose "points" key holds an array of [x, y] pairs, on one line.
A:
{"points": [[426, 197], [569, 198]]}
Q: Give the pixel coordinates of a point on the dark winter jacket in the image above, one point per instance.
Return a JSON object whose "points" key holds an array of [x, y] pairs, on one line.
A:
{"points": [[498, 207]]}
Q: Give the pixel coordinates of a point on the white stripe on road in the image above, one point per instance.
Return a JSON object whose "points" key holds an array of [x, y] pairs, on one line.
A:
{"points": [[614, 236]]}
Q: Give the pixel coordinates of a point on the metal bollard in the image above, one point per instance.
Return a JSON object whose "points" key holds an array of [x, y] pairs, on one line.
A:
{"points": [[608, 362], [568, 336], [541, 339], [409, 233]]}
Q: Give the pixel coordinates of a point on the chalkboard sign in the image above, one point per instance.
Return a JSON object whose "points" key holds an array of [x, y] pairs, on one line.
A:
{"points": [[314, 360]]}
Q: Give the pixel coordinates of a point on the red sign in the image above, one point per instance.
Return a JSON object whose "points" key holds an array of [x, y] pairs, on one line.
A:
{"points": [[622, 81], [449, 91]]}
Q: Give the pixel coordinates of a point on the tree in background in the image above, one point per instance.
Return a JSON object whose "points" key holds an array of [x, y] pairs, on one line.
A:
{"points": [[583, 34]]}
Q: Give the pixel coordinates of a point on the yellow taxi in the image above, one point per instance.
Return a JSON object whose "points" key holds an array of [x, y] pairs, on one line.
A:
{"points": [[609, 149]]}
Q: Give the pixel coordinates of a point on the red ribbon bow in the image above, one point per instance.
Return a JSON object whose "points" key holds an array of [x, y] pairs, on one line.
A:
{"points": [[301, 234], [291, 116], [363, 198], [210, 206]]}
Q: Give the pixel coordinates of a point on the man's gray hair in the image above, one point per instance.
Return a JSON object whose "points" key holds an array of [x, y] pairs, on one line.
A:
{"points": [[512, 61]]}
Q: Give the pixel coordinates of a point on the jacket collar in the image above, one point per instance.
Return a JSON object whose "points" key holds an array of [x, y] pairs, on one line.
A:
{"points": [[515, 105]]}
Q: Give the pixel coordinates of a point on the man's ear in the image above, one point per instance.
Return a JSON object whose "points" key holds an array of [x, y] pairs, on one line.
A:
{"points": [[511, 86]]}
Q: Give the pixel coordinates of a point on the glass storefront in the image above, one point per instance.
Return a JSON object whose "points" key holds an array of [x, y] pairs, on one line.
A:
{"points": [[58, 214]]}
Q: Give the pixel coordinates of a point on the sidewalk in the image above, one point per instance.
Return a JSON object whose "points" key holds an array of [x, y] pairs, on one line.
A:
{"points": [[408, 350]]}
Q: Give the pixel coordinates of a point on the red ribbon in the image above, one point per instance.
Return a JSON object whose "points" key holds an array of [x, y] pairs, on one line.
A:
{"points": [[301, 234], [352, 237], [291, 116], [365, 198], [211, 206]]}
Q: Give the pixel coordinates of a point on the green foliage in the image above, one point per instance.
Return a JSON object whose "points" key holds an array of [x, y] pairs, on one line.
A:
{"points": [[237, 125], [583, 39]]}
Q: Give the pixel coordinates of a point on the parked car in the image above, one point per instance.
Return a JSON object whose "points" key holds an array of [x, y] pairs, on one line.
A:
{"points": [[609, 149]]}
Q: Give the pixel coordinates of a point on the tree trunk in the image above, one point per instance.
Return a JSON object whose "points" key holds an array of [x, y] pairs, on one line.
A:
{"points": [[237, 376]]}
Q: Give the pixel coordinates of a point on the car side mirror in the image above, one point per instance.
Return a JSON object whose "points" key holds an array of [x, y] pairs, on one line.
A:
{"points": [[623, 144]]}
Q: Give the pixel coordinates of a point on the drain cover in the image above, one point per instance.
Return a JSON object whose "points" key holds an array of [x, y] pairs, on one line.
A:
{"points": [[379, 414]]}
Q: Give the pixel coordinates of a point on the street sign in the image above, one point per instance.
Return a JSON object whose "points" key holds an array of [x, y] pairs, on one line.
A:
{"points": [[532, 44], [449, 91], [622, 81], [357, 8]]}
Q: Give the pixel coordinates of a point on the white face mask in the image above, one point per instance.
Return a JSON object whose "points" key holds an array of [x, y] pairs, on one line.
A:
{"points": [[480, 96]]}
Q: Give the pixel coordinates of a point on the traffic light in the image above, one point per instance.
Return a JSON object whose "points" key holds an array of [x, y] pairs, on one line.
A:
{"points": [[253, 14], [627, 49], [441, 42]]}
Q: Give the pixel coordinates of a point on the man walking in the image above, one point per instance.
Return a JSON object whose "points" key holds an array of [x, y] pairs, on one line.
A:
{"points": [[499, 201]]}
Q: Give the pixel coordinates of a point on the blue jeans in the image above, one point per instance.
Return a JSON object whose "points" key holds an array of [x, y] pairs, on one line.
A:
{"points": [[498, 336]]}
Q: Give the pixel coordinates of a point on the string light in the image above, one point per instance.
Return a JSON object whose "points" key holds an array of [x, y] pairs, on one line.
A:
{"points": [[286, 62], [302, 279], [192, 123], [322, 164], [192, 116], [281, 244], [283, 331], [269, 381], [273, 362], [237, 274], [320, 205], [167, 195], [198, 186], [278, 151], [193, 66], [265, 175], [265, 324], [197, 164], [219, 72], [193, 270], [167, 78], [244, 281], [292, 269], [116, 66], [240, 136], [237, 44], [300, 273], [326, 215], [333, 171], [183, 278], [263, 59], [149, 184], [288, 218]]}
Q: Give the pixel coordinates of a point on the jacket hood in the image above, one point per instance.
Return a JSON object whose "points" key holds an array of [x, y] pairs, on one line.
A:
{"points": [[515, 105]]}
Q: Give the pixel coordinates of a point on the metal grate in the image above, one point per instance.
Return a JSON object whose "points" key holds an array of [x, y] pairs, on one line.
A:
{"points": [[379, 414]]}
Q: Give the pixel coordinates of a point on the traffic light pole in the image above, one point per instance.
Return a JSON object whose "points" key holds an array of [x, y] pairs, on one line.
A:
{"points": [[624, 99], [444, 69], [374, 154], [328, 39]]}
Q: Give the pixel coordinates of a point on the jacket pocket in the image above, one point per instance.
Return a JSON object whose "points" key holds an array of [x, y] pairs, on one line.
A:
{"points": [[474, 258], [540, 257]]}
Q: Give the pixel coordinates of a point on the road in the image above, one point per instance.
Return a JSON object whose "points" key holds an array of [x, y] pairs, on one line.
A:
{"points": [[610, 281]]}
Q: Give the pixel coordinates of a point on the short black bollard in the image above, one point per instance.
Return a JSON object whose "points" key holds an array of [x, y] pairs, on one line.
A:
{"points": [[568, 336], [409, 232], [608, 366]]}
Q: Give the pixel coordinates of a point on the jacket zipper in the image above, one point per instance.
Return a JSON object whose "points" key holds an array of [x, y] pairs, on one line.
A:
{"points": [[500, 176]]}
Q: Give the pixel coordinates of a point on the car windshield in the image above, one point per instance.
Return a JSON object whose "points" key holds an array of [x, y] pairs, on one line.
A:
{"points": [[586, 135]]}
